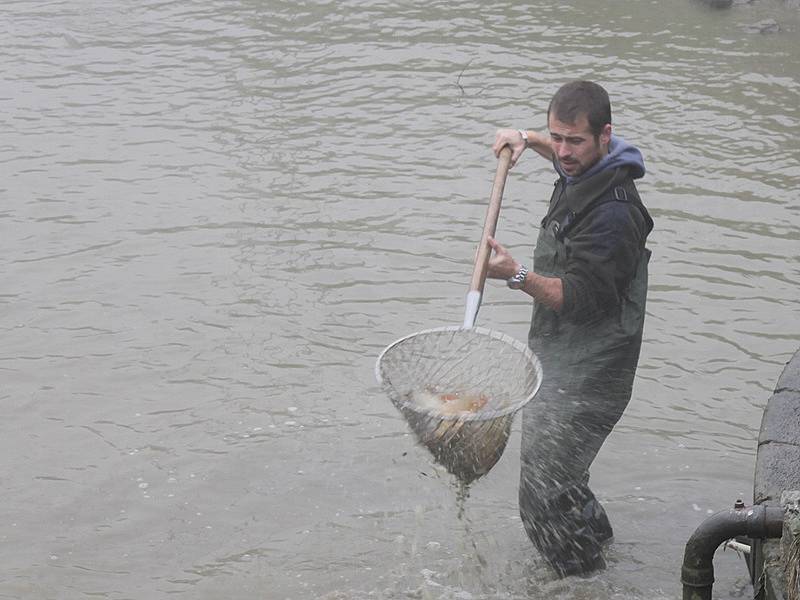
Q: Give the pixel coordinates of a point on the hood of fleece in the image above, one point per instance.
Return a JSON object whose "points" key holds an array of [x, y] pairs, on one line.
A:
{"points": [[620, 153]]}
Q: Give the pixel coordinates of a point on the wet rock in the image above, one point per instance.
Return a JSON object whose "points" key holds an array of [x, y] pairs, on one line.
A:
{"points": [[766, 26], [717, 3]]}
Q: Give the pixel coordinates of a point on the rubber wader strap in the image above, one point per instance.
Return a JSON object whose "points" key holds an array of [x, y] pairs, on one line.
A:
{"points": [[617, 194]]}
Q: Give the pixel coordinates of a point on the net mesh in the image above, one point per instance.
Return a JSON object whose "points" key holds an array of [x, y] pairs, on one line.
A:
{"points": [[474, 362]]}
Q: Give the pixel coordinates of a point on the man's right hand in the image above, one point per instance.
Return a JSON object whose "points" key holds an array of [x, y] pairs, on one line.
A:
{"points": [[511, 138]]}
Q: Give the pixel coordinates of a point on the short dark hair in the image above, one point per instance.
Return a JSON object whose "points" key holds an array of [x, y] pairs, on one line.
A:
{"points": [[578, 98]]}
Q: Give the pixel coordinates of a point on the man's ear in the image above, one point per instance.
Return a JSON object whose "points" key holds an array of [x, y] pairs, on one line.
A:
{"points": [[605, 134]]}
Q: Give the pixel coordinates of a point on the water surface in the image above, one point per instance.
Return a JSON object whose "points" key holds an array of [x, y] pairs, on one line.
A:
{"points": [[215, 215]]}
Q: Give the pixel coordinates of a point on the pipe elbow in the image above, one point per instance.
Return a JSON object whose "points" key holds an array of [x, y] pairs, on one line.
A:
{"points": [[757, 521]]}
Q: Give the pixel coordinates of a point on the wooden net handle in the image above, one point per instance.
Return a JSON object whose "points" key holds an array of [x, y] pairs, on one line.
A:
{"points": [[490, 224]]}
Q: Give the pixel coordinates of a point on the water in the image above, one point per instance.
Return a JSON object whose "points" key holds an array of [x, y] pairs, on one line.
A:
{"points": [[215, 215]]}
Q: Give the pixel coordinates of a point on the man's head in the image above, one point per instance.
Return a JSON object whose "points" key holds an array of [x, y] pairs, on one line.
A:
{"points": [[579, 119]]}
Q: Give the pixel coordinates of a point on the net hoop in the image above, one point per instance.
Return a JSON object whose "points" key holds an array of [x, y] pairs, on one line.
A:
{"points": [[483, 415]]}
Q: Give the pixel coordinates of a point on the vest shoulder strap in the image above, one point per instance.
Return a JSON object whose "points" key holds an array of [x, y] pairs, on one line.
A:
{"points": [[616, 194]]}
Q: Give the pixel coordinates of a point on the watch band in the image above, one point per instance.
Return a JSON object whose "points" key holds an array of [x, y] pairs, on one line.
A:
{"points": [[518, 280], [524, 135]]}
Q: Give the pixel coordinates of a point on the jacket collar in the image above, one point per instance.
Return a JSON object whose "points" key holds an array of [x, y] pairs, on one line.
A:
{"points": [[580, 194]]}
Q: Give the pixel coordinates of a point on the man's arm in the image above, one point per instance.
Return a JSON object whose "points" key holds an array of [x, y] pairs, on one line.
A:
{"points": [[514, 140], [546, 290]]}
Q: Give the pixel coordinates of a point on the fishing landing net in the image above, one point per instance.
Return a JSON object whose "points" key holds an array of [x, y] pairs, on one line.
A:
{"points": [[484, 376], [459, 387]]}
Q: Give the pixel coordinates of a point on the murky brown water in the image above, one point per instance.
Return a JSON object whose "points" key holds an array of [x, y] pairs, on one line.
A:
{"points": [[216, 214]]}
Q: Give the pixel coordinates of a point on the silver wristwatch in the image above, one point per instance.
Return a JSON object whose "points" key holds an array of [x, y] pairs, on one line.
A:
{"points": [[518, 280]]}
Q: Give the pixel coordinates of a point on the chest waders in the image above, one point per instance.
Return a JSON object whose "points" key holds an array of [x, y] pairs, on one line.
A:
{"points": [[588, 378]]}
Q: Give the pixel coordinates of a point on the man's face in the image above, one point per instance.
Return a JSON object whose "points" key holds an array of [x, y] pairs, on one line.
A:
{"points": [[575, 147]]}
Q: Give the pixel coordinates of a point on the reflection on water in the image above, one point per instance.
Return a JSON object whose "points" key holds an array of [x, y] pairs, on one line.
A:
{"points": [[216, 215]]}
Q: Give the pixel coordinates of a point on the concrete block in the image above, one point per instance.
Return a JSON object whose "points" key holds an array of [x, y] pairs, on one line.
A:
{"points": [[777, 470], [781, 419], [790, 378]]}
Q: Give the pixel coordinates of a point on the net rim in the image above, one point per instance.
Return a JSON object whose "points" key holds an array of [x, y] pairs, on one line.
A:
{"points": [[479, 416]]}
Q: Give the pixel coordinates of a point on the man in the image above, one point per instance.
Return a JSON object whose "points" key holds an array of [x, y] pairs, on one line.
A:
{"points": [[588, 283]]}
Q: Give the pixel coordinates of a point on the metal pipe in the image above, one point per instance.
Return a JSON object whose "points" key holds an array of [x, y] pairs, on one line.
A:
{"points": [[757, 522]]}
